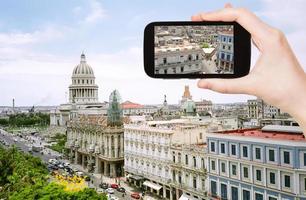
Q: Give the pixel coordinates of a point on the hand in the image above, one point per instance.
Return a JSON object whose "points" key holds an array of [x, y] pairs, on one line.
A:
{"points": [[277, 76]]}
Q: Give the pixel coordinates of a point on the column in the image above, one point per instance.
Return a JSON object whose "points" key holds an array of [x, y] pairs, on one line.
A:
{"points": [[104, 167], [76, 157], [122, 145], [164, 191], [171, 195], [116, 145], [97, 165], [109, 147]]}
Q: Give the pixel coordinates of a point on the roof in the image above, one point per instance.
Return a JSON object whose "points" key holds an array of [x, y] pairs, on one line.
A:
{"points": [[269, 132], [129, 104]]}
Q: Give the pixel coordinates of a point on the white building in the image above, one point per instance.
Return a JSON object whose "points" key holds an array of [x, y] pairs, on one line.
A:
{"points": [[83, 96], [147, 151], [189, 171]]}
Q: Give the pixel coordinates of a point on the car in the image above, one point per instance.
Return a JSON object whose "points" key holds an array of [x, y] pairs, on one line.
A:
{"points": [[114, 185], [81, 174], [135, 195], [87, 178], [110, 190], [121, 189], [103, 185], [100, 190], [113, 198]]}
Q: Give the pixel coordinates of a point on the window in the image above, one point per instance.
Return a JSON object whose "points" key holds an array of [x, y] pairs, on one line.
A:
{"points": [[228, 57], [246, 195], [287, 181], [234, 194], [233, 148], [272, 198], [245, 151], [189, 57], [197, 57], [258, 196], [201, 136], [165, 71], [245, 172], [229, 47], [257, 153], [194, 161], [258, 175], [212, 147], [213, 188], [234, 170], [194, 182], [224, 39], [222, 148], [165, 60], [223, 167], [286, 157], [271, 155], [223, 191], [213, 165], [272, 177], [222, 55], [229, 39], [304, 155], [186, 159], [173, 158], [182, 69]]}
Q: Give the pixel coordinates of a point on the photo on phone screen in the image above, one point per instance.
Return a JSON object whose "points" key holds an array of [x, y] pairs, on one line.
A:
{"points": [[194, 49]]}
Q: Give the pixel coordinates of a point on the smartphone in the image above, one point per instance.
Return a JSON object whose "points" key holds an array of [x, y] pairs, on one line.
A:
{"points": [[187, 49]]}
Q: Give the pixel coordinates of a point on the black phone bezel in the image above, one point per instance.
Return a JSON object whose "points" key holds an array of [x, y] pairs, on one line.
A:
{"points": [[242, 50]]}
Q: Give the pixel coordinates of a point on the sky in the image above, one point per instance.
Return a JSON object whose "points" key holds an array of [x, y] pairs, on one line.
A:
{"points": [[41, 42]]}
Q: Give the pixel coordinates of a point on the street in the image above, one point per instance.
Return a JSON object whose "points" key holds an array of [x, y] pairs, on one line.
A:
{"points": [[25, 144]]}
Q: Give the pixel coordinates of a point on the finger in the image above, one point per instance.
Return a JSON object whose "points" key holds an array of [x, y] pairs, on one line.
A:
{"points": [[227, 86], [245, 18], [196, 18], [228, 5]]}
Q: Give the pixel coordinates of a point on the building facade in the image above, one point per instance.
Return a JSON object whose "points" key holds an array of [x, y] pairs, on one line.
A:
{"points": [[96, 142], [148, 152], [188, 169], [252, 164], [225, 52]]}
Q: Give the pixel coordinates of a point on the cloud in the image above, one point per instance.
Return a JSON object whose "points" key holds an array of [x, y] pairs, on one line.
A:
{"points": [[290, 18], [96, 13], [23, 38]]}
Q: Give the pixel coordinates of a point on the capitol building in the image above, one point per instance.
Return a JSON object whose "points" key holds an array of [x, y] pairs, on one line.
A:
{"points": [[83, 96]]}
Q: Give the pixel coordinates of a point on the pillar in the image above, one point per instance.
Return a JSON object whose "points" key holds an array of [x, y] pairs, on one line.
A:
{"points": [[116, 146], [121, 145], [112, 170], [164, 192], [171, 195], [97, 165], [76, 157]]}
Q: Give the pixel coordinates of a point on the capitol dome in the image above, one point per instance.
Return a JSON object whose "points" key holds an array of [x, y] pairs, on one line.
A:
{"points": [[189, 107], [83, 89], [82, 69]]}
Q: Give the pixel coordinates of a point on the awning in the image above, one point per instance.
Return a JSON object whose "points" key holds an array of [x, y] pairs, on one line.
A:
{"points": [[152, 185], [184, 197], [134, 177]]}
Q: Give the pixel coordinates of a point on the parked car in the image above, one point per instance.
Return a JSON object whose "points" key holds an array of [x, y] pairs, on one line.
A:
{"points": [[135, 195], [100, 190], [110, 190], [87, 178], [103, 185], [121, 189], [114, 185]]}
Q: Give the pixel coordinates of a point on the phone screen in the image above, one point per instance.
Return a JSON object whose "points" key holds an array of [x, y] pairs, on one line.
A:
{"points": [[203, 49]]}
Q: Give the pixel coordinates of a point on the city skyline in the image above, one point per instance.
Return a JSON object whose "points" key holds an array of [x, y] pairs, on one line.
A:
{"points": [[39, 52]]}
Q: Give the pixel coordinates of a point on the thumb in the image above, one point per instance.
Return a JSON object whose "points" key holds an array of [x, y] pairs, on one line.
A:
{"points": [[227, 86]]}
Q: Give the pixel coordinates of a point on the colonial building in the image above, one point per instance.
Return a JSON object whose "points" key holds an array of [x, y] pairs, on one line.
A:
{"points": [[204, 107], [189, 171], [96, 142], [225, 52], [148, 151], [130, 108], [257, 108], [257, 164]]}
